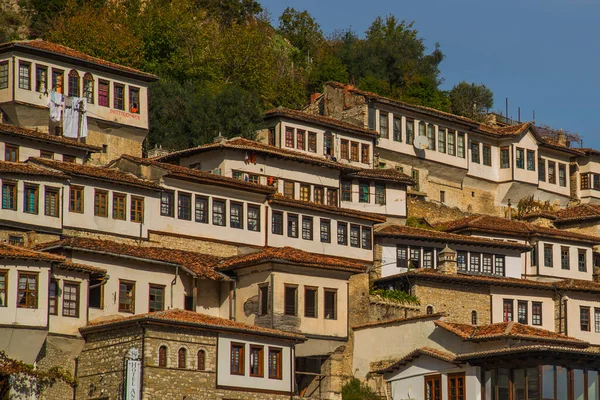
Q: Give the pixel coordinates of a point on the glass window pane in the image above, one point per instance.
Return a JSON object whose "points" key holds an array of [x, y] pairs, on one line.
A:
{"points": [[562, 389], [503, 392], [592, 385], [578, 384], [519, 384], [533, 384], [487, 383], [548, 382]]}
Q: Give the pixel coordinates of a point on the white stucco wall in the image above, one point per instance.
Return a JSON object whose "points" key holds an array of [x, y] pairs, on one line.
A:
{"points": [[498, 294]]}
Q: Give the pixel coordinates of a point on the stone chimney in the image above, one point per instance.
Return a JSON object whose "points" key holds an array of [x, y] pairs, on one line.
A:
{"points": [[562, 138], [447, 261], [596, 275]]}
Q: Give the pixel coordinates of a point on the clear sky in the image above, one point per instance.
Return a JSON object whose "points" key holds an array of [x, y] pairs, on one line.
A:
{"points": [[544, 55]]}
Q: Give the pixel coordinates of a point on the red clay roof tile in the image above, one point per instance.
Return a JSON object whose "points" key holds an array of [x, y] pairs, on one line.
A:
{"points": [[28, 169], [383, 366], [22, 253], [193, 319], [383, 174], [13, 130]]}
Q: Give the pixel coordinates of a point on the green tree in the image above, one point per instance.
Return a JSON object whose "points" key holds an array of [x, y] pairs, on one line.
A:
{"points": [[471, 100], [191, 114], [230, 11], [355, 390], [14, 23], [303, 32]]}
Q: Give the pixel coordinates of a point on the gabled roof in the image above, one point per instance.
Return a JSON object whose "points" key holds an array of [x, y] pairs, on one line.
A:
{"points": [[511, 227], [189, 174], [383, 174], [179, 318], [247, 145], [428, 274], [308, 205], [198, 264], [289, 255], [17, 131], [407, 232], [60, 52], [581, 212], [98, 173], [383, 366], [7, 167], [508, 330], [320, 120]]}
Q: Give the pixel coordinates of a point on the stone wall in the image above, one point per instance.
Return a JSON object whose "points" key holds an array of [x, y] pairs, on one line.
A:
{"points": [[444, 297], [52, 355], [432, 212], [30, 238]]}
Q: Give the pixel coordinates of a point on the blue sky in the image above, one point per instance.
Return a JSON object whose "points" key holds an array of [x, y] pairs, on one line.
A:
{"points": [[544, 55]]}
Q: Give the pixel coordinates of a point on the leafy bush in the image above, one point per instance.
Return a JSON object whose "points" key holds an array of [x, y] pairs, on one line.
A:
{"points": [[355, 390], [397, 296]]}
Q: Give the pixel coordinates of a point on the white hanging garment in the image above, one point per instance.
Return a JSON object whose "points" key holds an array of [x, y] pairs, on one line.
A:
{"points": [[71, 118], [55, 104], [83, 128]]}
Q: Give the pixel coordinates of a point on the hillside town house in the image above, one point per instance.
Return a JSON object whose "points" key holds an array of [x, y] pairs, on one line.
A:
{"points": [[239, 269]]}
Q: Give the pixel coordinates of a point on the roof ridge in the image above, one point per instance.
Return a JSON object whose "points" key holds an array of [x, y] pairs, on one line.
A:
{"points": [[509, 327]]}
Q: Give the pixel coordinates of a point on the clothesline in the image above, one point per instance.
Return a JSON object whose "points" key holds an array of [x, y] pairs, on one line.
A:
{"points": [[72, 110]]}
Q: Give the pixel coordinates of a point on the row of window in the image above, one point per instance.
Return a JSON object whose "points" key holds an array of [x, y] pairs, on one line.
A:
{"points": [[448, 141], [349, 151], [30, 198], [522, 311], [301, 140], [457, 387], [565, 257], [11, 154], [424, 257], [203, 212], [590, 181], [311, 301], [156, 297], [364, 192], [316, 194], [75, 85], [585, 321], [28, 294], [550, 166], [257, 354], [182, 358], [360, 236]]}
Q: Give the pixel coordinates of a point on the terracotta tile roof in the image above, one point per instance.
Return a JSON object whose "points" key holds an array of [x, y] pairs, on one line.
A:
{"points": [[505, 330], [28, 169], [42, 46], [286, 201], [551, 350], [398, 320], [402, 231], [99, 173], [320, 120], [383, 366], [578, 213], [179, 317], [45, 137], [576, 285], [289, 255], [466, 278], [515, 228], [186, 173], [197, 263], [259, 148], [22, 253], [70, 266], [384, 174]]}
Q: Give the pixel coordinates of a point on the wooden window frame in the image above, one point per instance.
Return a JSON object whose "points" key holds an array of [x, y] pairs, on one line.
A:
{"points": [[182, 358], [325, 230], [74, 77], [167, 204], [380, 189], [332, 197], [24, 82], [260, 373], [216, 214], [505, 317], [530, 157], [535, 304], [27, 187], [76, 206], [277, 226], [300, 139], [77, 286], [9, 150], [290, 219], [119, 206], [253, 223], [354, 151], [551, 247], [364, 154], [201, 360], [520, 161], [104, 100], [524, 303], [475, 155], [343, 234], [366, 238], [26, 291], [433, 379], [563, 266], [589, 318], [287, 310], [364, 196], [457, 377], [346, 190], [137, 209], [275, 373], [384, 133], [162, 289], [162, 356], [289, 137], [116, 98], [287, 185], [132, 109], [344, 149], [241, 350], [263, 299], [307, 227], [579, 266], [239, 207], [562, 175], [52, 298], [333, 315], [52, 194], [315, 292], [4, 75], [201, 209], [48, 155], [181, 207], [312, 142], [133, 284], [100, 202], [486, 158], [58, 80], [88, 90], [9, 189], [552, 176], [41, 78], [305, 192], [319, 195]]}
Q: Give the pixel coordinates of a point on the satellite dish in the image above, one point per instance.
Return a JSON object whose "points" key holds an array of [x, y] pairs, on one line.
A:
{"points": [[421, 142]]}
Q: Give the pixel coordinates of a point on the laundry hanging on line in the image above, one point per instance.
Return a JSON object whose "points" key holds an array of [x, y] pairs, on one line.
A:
{"points": [[55, 104], [75, 119]]}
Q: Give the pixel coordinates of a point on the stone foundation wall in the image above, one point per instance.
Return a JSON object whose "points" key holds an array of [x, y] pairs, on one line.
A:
{"points": [[52, 356], [30, 238], [444, 298]]}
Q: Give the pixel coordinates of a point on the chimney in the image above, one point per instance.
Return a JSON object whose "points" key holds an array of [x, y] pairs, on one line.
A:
{"points": [[447, 261], [220, 138], [562, 138], [314, 97], [348, 88], [596, 275]]}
